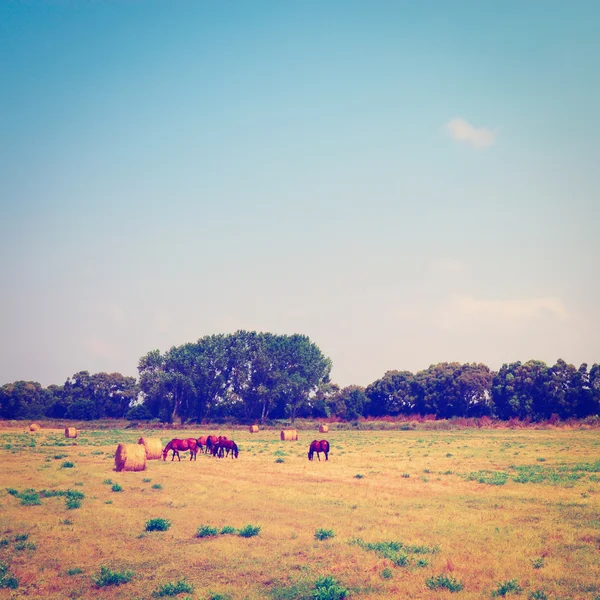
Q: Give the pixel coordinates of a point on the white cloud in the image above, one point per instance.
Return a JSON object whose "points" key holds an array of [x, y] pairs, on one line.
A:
{"points": [[464, 312], [463, 131]]}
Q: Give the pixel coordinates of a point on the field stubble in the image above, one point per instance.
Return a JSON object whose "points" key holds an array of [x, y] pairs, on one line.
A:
{"points": [[427, 489]]}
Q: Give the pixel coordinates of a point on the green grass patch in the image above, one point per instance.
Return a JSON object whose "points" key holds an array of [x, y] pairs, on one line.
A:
{"points": [[108, 577], [488, 477], [172, 589], [74, 571], [507, 587], [249, 531], [206, 531], [68, 465], [116, 487], [444, 582], [327, 588], [324, 534], [228, 530], [7, 579], [158, 525]]}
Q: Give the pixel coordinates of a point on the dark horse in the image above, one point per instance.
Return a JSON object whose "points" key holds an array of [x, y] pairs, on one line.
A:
{"points": [[224, 447], [176, 445], [315, 446], [211, 440]]}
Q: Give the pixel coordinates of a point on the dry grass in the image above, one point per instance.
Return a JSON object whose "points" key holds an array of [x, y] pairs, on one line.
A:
{"points": [[486, 534]]}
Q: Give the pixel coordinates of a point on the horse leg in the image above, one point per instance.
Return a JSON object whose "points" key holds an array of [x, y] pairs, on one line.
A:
{"points": [[319, 456], [326, 455]]}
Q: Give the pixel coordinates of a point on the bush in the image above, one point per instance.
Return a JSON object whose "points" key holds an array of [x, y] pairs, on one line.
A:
{"points": [[109, 577], [172, 589], [386, 573], [538, 595], [156, 486], [228, 530], [68, 464], [327, 588], [75, 571], [507, 587], [6, 579], [116, 488], [537, 563], [158, 525], [30, 498], [249, 531], [444, 582], [324, 534], [206, 531]]}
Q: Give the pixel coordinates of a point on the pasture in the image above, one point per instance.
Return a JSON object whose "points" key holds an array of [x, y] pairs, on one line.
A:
{"points": [[464, 513]]}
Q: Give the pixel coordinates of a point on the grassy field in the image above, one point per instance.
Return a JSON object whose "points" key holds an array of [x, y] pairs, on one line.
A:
{"points": [[465, 513]]}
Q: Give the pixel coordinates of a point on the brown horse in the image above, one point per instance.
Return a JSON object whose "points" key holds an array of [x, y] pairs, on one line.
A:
{"points": [[211, 440], [226, 446], [201, 441], [315, 446], [176, 445]]}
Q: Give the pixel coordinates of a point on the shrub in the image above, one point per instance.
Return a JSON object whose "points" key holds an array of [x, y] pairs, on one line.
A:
{"points": [[71, 503], [327, 588], [386, 573], [68, 464], [444, 582], [324, 534], [156, 486], [538, 595], [249, 531], [158, 525], [358, 476], [279, 460], [228, 530], [75, 571], [146, 480], [109, 577], [537, 563], [30, 498], [406, 475], [25, 546], [116, 488], [12, 491], [107, 481], [219, 597], [21, 537], [6, 579], [206, 531], [172, 589], [507, 587]]}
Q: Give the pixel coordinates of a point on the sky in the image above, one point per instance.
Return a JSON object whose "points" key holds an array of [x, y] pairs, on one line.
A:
{"points": [[404, 182]]}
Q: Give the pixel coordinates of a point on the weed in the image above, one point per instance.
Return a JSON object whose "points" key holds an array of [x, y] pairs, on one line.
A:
{"points": [[358, 476], [538, 595], [489, 477], [206, 531], [109, 577], [279, 460], [228, 529], [156, 486], [59, 456], [4, 542], [158, 525], [172, 589], [537, 563], [146, 480], [21, 537], [71, 503], [108, 481], [116, 488], [30, 498], [507, 587], [218, 597], [249, 531], [386, 573], [68, 464], [67, 522], [324, 534], [12, 491], [25, 546], [443, 581], [75, 571], [327, 588], [422, 562], [6, 579], [406, 475]]}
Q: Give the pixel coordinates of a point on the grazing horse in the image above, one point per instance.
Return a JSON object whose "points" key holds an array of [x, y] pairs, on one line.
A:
{"points": [[176, 445], [228, 446], [315, 446], [211, 440], [202, 443]]}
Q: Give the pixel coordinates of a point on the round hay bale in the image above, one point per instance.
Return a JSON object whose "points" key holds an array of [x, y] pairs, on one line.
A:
{"points": [[323, 428], [34, 427], [130, 457], [289, 435], [153, 447], [253, 429], [70, 432]]}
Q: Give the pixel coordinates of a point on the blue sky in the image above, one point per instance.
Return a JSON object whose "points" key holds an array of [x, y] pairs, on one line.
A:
{"points": [[406, 183]]}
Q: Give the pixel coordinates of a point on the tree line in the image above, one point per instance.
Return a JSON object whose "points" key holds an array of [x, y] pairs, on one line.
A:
{"points": [[254, 377]]}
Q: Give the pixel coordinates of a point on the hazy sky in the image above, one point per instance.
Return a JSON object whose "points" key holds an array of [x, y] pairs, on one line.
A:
{"points": [[403, 182]]}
